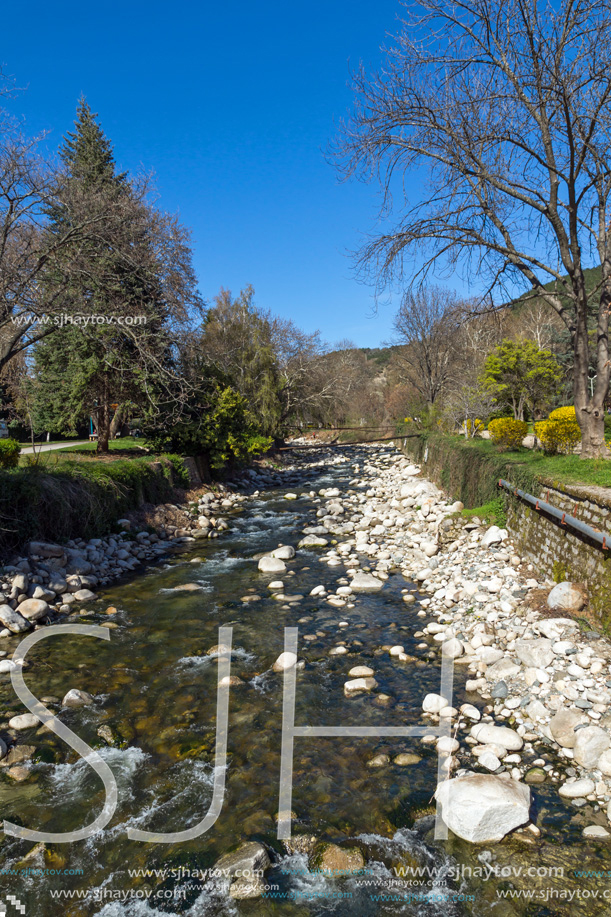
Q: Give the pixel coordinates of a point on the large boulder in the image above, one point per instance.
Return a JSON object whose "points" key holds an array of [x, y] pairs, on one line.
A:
{"points": [[562, 726], [571, 597], [536, 654], [590, 743], [33, 609], [365, 582], [483, 808], [13, 620]]}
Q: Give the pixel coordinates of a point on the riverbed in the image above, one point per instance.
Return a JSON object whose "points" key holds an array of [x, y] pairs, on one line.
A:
{"points": [[154, 685]]}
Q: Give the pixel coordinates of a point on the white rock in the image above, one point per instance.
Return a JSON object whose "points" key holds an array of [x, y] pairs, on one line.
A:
{"points": [[361, 671], [283, 552], [577, 788], [359, 684], [452, 648], [284, 661], [77, 698], [24, 721], [503, 735], [482, 808], [470, 712], [433, 703], [567, 597], [365, 582], [590, 743], [534, 653], [269, 564]]}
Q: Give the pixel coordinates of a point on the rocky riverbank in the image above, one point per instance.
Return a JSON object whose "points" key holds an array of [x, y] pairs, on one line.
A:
{"points": [[535, 685], [539, 684]]}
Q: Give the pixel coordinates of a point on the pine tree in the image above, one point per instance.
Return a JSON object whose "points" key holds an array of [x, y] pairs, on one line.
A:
{"points": [[115, 335]]}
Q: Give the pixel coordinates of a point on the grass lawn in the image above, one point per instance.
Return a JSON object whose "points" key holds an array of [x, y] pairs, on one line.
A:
{"points": [[570, 469], [127, 447]]}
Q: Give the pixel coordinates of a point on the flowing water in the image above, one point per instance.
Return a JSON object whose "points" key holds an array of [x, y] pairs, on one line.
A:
{"points": [[155, 688]]}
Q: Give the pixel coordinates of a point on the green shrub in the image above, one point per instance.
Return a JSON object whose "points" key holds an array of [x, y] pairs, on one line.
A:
{"points": [[507, 432], [9, 453]]}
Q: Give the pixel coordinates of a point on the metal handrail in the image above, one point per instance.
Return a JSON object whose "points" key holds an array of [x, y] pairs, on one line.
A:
{"points": [[561, 517]]}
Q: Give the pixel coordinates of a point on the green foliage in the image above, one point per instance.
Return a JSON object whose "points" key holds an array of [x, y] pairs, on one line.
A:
{"points": [[493, 512], [507, 432], [215, 423], [9, 453], [520, 375]]}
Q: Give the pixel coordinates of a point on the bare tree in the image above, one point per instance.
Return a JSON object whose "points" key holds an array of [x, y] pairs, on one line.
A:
{"points": [[426, 325], [508, 106]]}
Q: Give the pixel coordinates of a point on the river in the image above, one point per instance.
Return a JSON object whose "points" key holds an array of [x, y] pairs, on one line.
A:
{"points": [[155, 688]]}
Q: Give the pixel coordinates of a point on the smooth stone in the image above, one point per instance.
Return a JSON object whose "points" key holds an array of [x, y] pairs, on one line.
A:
{"points": [[595, 831], [361, 671], [433, 703], [24, 721], [452, 648], [568, 597], [284, 552], [269, 564], [85, 595], [34, 609], [13, 620], [313, 541], [406, 759], [359, 684], [284, 661], [502, 735], [77, 698], [562, 726], [578, 788], [365, 582]]}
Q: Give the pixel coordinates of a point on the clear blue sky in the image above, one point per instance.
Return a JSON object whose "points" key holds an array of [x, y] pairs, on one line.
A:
{"points": [[231, 105]]}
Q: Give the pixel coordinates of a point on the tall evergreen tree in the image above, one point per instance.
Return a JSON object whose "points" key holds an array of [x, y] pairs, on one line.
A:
{"points": [[102, 361]]}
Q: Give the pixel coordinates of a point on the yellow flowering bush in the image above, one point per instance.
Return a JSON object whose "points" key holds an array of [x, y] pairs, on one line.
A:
{"points": [[566, 413], [507, 432], [560, 435]]}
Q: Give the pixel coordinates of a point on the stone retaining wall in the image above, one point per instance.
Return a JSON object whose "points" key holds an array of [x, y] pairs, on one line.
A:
{"points": [[558, 553]]}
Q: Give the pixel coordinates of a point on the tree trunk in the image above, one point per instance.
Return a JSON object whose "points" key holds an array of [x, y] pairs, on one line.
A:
{"points": [[117, 420], [589, 406], [104, 420]]}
